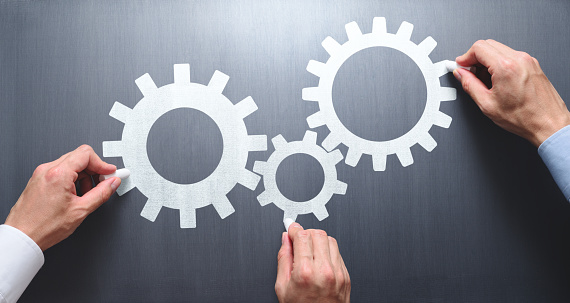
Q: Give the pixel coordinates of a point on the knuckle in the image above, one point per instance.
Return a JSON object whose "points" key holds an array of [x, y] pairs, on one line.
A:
{"points": [[479, 44], [328, 275], [281, 254], [306, 275], [85, 148], [41, 169], [55, 173], [318, 233], [303, 235], [507, 64], [333, 240]]}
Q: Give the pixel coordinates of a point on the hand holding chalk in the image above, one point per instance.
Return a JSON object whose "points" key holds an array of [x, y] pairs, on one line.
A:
{"points": [[319, 274], [513, 91], [50, 209], [122, 173]]}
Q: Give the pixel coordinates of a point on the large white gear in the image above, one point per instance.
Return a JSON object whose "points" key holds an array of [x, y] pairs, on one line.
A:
{"points": [[322, 94], [236, 145], [284, 149]]}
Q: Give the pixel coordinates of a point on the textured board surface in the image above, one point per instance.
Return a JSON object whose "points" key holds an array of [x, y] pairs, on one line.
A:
{"points": [[478, 219]]}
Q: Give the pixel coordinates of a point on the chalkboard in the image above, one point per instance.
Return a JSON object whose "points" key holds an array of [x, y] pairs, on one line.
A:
{"points": [[478, 219]]}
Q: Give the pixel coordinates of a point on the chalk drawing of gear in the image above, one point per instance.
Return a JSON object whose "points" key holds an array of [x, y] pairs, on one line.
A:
{"points": [[236, 145], [284, 149], [322, 94]]}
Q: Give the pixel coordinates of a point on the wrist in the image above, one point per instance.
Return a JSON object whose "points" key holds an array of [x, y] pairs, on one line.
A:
{"points": [[549, 128]]}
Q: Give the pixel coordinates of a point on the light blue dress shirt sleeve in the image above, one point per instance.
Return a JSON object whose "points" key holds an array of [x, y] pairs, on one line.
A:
{"points": [[20, 260], [555, 152]]}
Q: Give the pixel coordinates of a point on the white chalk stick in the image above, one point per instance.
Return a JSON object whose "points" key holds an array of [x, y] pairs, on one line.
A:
{"points": [[452, 65], [287, 222], [122, 173]]}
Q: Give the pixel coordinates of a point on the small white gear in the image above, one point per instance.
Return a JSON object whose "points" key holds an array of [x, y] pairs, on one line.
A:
{"points": [[284, 149], [323, 94], [236, 145]]}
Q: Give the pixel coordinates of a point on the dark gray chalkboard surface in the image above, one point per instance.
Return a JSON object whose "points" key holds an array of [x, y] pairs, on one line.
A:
{"points": [[478, 219]]}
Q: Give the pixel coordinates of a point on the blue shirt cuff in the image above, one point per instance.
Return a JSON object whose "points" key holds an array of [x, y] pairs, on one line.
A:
{"points": [[555, 152]]}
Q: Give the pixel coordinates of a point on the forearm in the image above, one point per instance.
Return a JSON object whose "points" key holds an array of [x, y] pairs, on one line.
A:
{"points": [[555, 152]]}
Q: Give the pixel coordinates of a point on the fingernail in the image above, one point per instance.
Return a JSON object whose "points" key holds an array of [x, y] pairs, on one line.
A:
{"points": [[457, 75], [116, 183], [283, 235]]}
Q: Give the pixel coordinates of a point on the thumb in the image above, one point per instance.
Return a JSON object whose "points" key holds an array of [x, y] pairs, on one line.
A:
{"points": [[100, 193], [284, 260], [472, 85]]}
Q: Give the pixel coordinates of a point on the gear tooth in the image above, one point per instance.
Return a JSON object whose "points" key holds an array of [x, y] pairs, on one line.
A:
{"points": [[442, 120], [120, 112], [218, 81], [321, 213], [248, 179], [316, 68], [257, 142], [330, 142], [187, 216], [330, 45], [405, 157], [278, 142], [405, 30], [264, 198], [441, 68], [379, 25], [223, 207], [151, 210], [336, 156], [352, 157], [427, 142], [447, 94], [126, 186], [340, 188], [260, 167], [428, 45], [146, 84], [379, 161], [311, 94], [112, 149], [182, 73], [315, 120], [245, 107], [352, 30], [310, 137]]}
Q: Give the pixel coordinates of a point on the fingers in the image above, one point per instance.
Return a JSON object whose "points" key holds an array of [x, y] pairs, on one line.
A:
{"points": [[302, 243], [84, 158], [284, 261], [500, 46], [100, 194], [321, 249], [481, 52], [473, 86]]}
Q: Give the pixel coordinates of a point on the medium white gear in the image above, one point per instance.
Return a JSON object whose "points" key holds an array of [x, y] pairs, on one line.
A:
{"points": [[284, 149], [323, 94], [236, 145]]}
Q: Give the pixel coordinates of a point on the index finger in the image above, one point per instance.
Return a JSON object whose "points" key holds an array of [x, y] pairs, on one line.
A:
{"points": [[84, 158], [302, 243], [480, 52]]}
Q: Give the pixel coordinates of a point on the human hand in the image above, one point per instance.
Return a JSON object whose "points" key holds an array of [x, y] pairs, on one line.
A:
{"points": [[521, 99], [310, 268], [49, 210]]}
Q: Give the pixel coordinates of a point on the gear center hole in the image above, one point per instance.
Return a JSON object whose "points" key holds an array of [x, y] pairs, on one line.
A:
{"points": [[379, 94], [185, 146], [300, 177]]}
